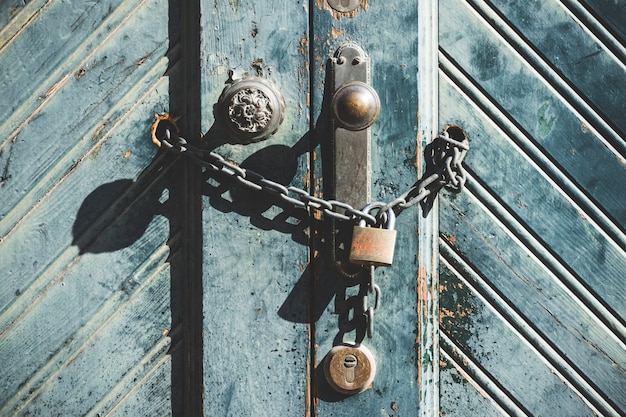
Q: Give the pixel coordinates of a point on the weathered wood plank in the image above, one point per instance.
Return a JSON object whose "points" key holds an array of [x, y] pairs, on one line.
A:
{"points": [[571, 51], [55, 41], [528, 385], [558, 223], [42, 244], [589, 153], [395, 150], [507, 79], [255, 358], [129, 346], [590, 328], [538, 237], [456, 387], [89, 224], [609, 15], [78, 112]]}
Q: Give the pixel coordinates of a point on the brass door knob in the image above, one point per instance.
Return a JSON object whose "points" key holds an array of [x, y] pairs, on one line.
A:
{"points": [[355, 105]]}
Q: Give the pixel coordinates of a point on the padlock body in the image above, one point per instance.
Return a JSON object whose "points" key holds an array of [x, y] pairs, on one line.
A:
{"points": [[372, 246]]}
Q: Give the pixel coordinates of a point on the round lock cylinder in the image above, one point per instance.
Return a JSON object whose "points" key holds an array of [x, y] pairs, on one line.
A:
{"points": [[344, 6], [350, 368], [355, 105], [251, 109]]}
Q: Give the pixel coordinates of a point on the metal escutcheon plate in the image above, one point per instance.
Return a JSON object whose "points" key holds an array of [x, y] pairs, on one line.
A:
{"points": [[344, 6], [350, 368]]}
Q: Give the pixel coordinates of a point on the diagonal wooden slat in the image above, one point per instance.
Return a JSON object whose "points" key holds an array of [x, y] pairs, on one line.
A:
{"points": [[540, 229]]}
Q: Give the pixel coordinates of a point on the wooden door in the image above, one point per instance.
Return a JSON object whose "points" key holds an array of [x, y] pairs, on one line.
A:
{"points": [[137, 283], [273, 300], [533, 253], [92, 240]]}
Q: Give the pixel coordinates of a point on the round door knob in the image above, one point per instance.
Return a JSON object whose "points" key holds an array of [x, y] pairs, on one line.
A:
{"points": [[355, 105], [251, 109]]}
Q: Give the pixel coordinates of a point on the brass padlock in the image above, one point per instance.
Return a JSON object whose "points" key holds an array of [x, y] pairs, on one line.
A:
{"points": [[350, 368], [372, 245]]}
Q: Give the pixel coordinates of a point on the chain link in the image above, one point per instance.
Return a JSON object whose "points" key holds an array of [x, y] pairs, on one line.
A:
{"points": [[446, 170], [369, 311]]}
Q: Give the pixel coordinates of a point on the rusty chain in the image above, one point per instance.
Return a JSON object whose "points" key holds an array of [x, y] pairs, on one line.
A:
{"points": [[445, 159], [444, 169]]}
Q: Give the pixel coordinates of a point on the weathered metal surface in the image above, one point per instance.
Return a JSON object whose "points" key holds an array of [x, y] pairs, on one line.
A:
{"points": [[89, 228], [354, 107], [534, 252]]}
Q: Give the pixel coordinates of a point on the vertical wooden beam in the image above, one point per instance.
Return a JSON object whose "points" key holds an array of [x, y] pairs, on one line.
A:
{"points": [[428, 278], [192, 404]]}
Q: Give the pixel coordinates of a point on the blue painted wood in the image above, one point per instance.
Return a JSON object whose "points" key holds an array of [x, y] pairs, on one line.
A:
{"points": [[534, 251], [89, 227], [100, 234], [256, 338], [396, 147]]}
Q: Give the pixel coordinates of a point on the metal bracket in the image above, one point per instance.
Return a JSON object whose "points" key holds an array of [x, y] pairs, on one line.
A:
{"points": [[355, 107]]}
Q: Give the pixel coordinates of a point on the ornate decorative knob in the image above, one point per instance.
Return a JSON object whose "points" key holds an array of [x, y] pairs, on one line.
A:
{"points": [[251, 109], [355, 105]]}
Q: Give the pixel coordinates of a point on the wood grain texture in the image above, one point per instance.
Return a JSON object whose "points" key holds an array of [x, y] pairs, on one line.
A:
{"points": [[90, 233], [256, 345], [533, 251], [396, 145]]}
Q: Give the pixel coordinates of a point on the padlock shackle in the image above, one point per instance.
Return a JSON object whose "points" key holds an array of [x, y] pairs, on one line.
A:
{"points": [[391, 216]]}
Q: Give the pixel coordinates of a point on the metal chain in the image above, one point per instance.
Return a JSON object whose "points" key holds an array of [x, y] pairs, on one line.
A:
{"points": [[444, 169], [369, 311], [446, 157]]}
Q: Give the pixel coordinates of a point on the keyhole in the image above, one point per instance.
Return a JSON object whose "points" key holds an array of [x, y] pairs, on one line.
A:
{"points": [[349, 362]]}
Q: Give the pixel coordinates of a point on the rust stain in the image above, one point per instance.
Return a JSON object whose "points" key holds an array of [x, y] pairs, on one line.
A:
{"points": [[164, 118], [80, 73], [303, 47], [127, 154], [306, 180], [444, 312], [422, 288], [449, 239]]}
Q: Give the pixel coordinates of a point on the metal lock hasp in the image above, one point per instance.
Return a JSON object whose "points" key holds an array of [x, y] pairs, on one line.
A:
{"points": [[350, 368], [372, 245]]}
